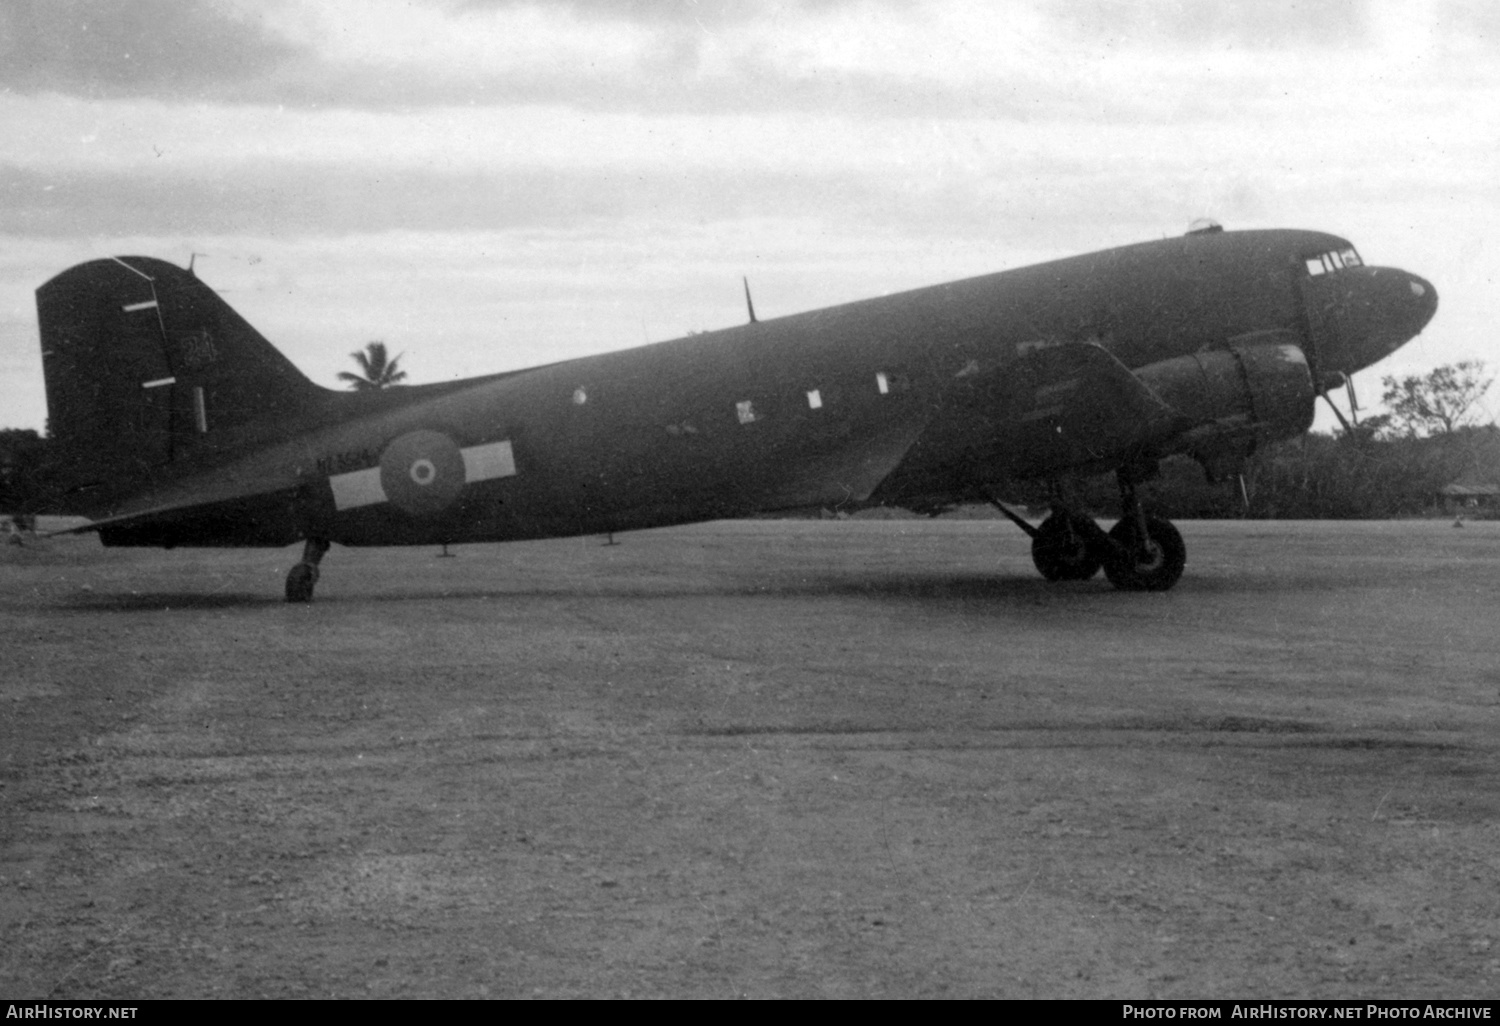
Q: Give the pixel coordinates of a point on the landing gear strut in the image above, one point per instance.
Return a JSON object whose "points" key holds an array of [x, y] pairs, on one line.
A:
{"points": [[1140, 553], [1067, 546], [1147, 553], [300, 581]]}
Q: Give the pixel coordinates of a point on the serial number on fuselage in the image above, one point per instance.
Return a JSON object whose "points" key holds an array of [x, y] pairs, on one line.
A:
{"points": [[344, 462]]}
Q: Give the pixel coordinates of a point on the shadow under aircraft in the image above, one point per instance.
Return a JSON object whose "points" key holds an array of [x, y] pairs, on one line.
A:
{"points": [[177, 423]]}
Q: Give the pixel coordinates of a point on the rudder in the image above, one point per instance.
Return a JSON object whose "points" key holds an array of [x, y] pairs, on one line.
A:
{"points": [[146, 366]]}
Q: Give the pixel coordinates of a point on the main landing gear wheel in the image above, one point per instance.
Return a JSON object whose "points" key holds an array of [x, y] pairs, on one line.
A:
{"points": [[302, 577], [1151, 564], [1062, 552]]}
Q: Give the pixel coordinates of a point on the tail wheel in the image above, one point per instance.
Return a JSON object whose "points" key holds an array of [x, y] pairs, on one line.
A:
{"points": [[300, 581], [1061, 551], [1151, 564]]}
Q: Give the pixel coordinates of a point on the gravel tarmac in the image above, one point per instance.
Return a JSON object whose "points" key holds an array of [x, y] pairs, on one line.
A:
{"points": [[755, 759]]}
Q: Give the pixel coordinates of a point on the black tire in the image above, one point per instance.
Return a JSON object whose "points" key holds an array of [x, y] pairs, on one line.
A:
{"points": [[300, 581], [1062, 552], [1156, 568]]}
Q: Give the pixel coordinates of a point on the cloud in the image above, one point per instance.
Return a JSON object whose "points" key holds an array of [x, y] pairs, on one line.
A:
{"points": [[1120, 61], [663, 12], [105, 48], [867, 58], [1471, 24], [339, 201], [1258, 25], [870, 59]]}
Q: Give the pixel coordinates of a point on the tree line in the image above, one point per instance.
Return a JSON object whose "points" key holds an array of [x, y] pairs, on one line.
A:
{"points": [[1355, 475]]}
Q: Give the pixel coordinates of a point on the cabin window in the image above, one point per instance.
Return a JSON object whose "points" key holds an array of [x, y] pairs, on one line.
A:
{"points": [[889, 382], [746, 411], [200, 410], [815, 400]]}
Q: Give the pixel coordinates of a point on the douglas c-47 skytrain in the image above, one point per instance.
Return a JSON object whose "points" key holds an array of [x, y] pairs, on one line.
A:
{"points": [[179, 424]]}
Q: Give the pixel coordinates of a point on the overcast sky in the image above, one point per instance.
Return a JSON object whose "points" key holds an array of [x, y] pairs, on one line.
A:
{"points": [[486, 184]]}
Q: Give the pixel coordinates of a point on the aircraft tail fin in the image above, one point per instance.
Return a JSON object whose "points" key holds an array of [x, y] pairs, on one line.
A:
{"points": [[146, 366]]}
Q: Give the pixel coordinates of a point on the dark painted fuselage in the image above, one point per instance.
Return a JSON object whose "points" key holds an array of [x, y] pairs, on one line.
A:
{"points": [[902, 399]]}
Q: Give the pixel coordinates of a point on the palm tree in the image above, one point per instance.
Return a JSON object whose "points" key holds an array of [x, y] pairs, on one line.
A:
{"points": [[378, 370]]}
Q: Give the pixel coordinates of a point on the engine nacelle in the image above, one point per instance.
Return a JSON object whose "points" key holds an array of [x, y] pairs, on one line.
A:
{"points": [[1257, 388]]}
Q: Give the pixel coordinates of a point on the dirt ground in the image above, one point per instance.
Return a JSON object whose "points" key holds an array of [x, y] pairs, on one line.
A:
{"points": [[762, 759]]}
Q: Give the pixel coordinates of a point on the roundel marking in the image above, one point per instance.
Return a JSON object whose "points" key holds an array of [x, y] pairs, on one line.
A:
{"points": [[422, 472]]}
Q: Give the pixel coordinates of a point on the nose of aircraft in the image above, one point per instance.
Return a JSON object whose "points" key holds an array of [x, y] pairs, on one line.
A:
{"points": [[1380, 310], [1420, 308]]}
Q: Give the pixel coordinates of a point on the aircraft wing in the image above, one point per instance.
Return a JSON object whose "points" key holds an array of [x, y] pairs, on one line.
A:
{"points": [[1059, 408], [847, 475], [1073, 405]]}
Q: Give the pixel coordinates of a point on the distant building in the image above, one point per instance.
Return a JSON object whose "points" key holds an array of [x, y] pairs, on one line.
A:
{"points": [[1457, 497]]}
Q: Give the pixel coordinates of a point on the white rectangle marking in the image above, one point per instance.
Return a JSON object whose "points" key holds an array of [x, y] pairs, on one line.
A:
{"points": [[815, 400], [359, 488], [881, 383], [158, 382], [486, 462], [745, 411], [149, 304]]}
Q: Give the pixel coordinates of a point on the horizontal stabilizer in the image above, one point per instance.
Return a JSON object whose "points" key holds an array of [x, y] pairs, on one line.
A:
{"points": [[252, 501]]}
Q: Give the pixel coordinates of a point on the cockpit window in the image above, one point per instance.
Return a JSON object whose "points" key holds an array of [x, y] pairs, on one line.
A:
{"points": [[1333, 260]]}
